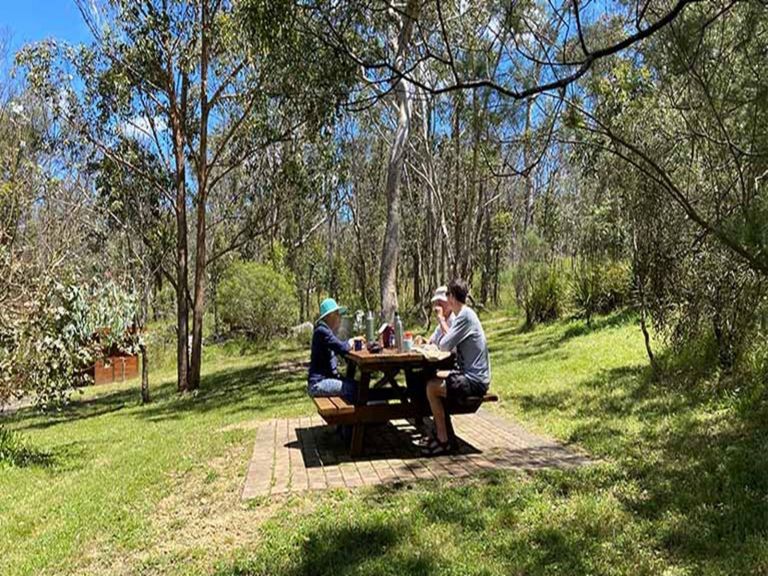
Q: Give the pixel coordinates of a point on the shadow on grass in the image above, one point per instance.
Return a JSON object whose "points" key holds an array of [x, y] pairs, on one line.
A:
{"points": [[580, 327], [701, 468], [77, 410], [330, 548], [16, 453], [253, 389]]}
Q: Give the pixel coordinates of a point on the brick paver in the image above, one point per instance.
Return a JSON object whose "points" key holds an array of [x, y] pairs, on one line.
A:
{"points": [[298, 454]]}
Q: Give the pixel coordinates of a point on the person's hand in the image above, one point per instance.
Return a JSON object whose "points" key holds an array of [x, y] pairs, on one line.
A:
{"points": [[439, 312]]}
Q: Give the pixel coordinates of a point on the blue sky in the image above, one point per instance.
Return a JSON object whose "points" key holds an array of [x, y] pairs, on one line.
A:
{"points": [[31, 20]]}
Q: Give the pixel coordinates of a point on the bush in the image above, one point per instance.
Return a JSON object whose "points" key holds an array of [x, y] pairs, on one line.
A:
{"points": [[600, 288], [542, 292], [256, 299], [48, 344], [539, 282]]}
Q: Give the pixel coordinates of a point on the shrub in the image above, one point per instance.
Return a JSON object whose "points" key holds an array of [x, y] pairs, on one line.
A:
{"points": [[600, 288], [256, 299], [539, 282], [542, 294], [48, 343]]}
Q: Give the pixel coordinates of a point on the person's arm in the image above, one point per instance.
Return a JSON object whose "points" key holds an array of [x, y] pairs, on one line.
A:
{"points": [[442, 326], [443, 321], [454, 336], [436, 336], [334, 343]]}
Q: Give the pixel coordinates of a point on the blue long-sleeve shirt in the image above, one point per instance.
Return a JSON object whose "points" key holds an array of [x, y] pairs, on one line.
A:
{"points": [[325, 346]]}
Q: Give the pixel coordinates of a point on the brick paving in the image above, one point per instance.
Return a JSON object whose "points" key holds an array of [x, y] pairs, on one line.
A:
{"points": [[299, 454]]}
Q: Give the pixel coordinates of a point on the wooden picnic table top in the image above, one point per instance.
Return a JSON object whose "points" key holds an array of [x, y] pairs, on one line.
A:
{"points": [[390, 358]]}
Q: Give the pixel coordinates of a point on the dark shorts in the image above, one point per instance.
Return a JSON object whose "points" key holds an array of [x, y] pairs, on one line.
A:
{"points": [[457, 385]]}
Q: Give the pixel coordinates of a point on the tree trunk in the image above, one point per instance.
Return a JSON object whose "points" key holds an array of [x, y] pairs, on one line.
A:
{"points": [[198, 310], [459, 240], [147, 283], [177, 114], [640, 281], [417, 276], [145, 397], [201, 257], [403, 99], [527, 161], [362, 272], [331, 286], [182, 310]]}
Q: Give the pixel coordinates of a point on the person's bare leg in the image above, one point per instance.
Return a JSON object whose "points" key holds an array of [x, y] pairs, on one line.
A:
{"points": [[435, 394]]}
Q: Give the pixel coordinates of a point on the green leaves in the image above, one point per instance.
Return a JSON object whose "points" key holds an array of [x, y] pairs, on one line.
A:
{"points": [[258, 300], [47, 345]]}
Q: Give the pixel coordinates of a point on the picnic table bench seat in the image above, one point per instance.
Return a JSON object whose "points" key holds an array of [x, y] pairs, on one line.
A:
{"points": [[336, 410]]}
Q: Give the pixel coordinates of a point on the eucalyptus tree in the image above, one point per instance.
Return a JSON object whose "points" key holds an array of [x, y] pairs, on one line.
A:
{"points": [[137, 224], [206, 87], [502, 56], [680, 135]]}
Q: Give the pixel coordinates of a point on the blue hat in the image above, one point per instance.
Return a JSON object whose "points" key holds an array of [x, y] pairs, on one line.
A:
{"points": [[329, 306]]}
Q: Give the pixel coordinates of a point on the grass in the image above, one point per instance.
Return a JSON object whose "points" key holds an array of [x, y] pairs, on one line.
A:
{"points": [[682, 487]]}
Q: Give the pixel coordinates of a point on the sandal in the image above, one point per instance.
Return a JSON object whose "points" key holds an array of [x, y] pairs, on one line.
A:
{"points": [[427, 440], [436, 448]]}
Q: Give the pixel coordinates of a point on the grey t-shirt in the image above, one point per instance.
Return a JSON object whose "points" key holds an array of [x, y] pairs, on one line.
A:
{"points": [[466, 336]]}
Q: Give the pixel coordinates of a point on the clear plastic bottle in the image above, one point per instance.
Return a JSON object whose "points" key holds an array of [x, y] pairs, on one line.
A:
{"points": [[398, 332]]}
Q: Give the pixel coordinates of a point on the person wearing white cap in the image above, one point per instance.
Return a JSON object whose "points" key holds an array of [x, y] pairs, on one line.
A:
{"points": [[416, 380], [444, 313]]}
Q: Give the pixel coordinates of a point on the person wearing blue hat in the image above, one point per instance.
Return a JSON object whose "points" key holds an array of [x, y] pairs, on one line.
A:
{"points": [[324, 378]]}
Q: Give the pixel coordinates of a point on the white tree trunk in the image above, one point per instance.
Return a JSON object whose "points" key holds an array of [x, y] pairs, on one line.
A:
{"points": [[404, 104]]}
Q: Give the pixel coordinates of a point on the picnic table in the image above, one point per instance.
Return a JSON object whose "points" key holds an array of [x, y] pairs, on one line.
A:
{"points": [[398, 404]]}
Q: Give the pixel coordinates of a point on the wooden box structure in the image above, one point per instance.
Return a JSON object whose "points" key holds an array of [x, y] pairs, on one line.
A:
{"points": [[115, 369]]}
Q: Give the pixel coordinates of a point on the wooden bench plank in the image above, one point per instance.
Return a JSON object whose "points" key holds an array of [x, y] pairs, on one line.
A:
{"points": [[336, 410], [324, 405], [342, 406], [329, 406]]}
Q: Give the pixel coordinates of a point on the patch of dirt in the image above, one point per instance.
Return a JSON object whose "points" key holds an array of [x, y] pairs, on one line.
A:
{"points": [[249, 425], [201, 521], [15, 405]]}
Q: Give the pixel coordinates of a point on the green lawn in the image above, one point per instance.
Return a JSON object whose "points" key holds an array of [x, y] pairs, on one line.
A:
{"points": [[682, 487]]}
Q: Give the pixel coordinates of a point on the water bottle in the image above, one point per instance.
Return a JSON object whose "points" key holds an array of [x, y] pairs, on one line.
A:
{"points": [[370, 329], [398, 332]]}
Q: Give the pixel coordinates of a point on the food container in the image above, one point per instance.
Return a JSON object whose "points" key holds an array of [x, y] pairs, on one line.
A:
{"points": [[408, 342]]}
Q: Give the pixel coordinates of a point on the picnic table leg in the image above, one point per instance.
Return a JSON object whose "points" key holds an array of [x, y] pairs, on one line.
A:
{"points": [[358, 430], [358, 436], [452, 440]]}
